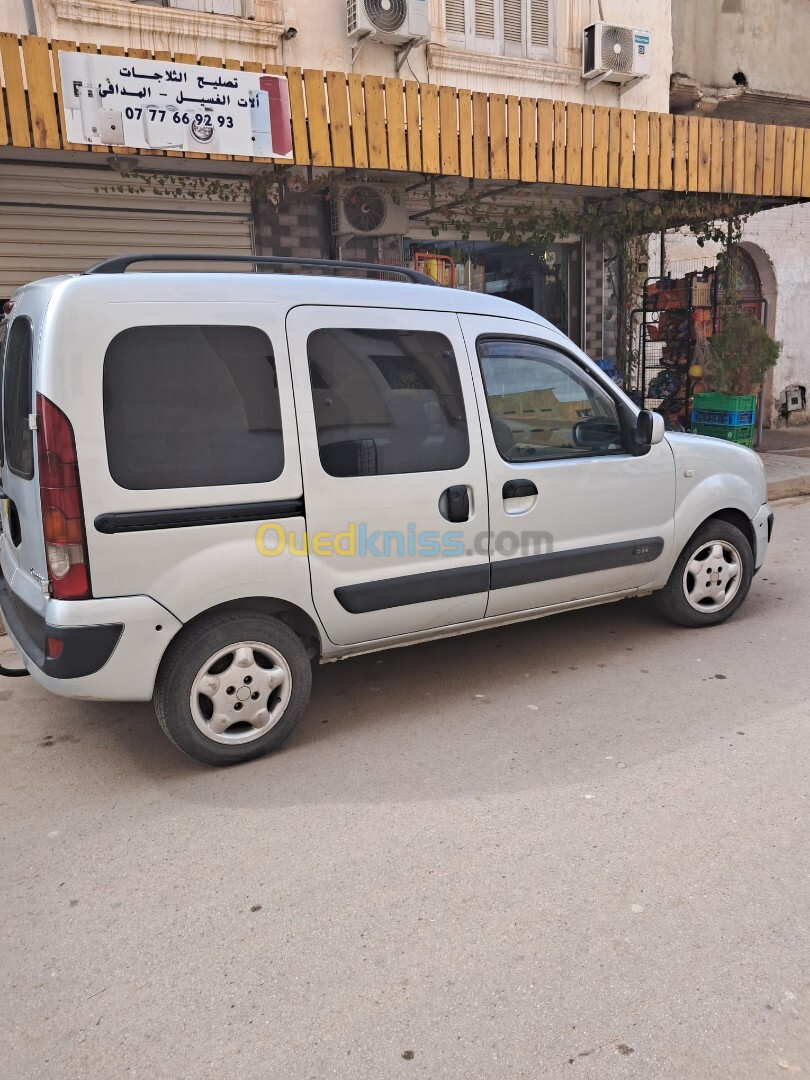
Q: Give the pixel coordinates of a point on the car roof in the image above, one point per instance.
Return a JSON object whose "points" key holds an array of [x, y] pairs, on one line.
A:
{"points": [[287, 290]]}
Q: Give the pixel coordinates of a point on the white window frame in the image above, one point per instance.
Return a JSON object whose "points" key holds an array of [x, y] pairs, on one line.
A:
{"points": [[497, 45]]}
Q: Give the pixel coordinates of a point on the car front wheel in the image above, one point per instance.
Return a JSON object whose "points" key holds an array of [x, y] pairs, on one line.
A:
{"points": [[232, 687], [711, 578]]}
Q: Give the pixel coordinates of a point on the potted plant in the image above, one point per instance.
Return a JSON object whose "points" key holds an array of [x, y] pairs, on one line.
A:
{"points": [[738, 357]]}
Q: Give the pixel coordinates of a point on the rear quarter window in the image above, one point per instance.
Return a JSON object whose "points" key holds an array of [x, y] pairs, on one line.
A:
{"points": [[17, 398], [192, 406]]}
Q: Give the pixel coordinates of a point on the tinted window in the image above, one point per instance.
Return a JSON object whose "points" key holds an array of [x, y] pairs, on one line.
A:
{"points": [[542, 405], [386, 401], [192, 406], [17, 399], [3, 332]]}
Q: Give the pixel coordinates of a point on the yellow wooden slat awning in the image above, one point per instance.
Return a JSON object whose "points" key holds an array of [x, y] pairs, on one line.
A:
{"points": [[372, 123]]}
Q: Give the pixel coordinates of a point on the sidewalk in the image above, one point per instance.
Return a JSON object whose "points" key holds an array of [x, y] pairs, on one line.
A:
{"points": [[785, 453]]}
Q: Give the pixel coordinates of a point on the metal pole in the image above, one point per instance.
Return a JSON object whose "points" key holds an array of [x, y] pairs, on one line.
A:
{"points": [[663, 252]]}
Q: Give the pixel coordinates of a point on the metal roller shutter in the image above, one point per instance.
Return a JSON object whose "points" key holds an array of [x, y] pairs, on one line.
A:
{"points": [[53, 221]]}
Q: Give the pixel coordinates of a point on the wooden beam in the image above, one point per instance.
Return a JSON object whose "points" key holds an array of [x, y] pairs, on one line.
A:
{"points": [[480, 136], [298, 113], [465, 133], [601, 144], [498, 161], [545, 141], [431, 158], [654, 176], [614, 147], [319, 145], [788, 161], [395, 124], [559, 142], [340, 125], [666, 165], [573, 144], [680, 160], [448, 130], [414, 126], [716, 156], [587, 145], [627, 128], [375, 123], [528, 140], [39, 80], [641, 170]]}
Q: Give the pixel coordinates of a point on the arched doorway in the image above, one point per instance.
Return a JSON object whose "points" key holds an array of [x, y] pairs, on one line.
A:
{"points": [[757, 285]]}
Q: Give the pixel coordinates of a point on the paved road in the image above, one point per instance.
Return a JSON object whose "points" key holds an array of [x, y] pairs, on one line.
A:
{"points": [[575, 848]]}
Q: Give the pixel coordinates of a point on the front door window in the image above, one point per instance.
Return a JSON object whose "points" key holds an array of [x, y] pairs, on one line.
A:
{"points": [[542, 406]]}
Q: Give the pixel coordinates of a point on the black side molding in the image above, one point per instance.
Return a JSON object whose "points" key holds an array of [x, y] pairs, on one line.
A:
{"points": [[467, 580], [185, 517], [413, 589], [558, 564]]}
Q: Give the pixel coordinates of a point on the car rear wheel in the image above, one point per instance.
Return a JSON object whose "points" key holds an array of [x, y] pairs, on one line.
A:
{"points": [[232, 687], [711, 578]]}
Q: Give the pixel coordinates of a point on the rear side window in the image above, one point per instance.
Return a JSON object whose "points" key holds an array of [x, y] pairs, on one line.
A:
{"points": [[3, 334], [386, 402], [17, 399], [192, 406]]}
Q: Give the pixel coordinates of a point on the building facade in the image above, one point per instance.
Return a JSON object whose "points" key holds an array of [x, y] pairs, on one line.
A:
{"points": [[740, 60], [392, 138], [514, 48]]}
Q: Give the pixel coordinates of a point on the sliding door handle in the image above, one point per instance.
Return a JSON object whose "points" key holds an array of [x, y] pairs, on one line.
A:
{"points": [[519, 489], [455, 504]]}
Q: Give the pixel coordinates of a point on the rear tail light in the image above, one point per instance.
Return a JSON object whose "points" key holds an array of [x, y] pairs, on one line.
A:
{"points": [[61, 499]]}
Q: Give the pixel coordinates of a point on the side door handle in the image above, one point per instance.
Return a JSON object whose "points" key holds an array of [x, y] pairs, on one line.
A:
{"points": [[519, 489], [456, 503]]}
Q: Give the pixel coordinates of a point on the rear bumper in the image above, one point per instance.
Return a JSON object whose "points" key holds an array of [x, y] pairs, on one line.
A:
{"points": [[112, 647], [84, 649]]}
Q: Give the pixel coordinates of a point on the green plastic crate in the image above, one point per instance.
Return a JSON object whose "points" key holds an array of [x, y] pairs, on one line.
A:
{"points": [[725, 402], [744, 436]]}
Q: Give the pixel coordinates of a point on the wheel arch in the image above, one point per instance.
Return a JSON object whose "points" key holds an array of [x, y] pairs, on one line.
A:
{"points": [[737, 518], [298, 620]]}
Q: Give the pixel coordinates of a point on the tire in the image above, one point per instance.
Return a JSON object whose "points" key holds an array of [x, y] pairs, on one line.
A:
{"points": [[232, 687], [703, 588]]}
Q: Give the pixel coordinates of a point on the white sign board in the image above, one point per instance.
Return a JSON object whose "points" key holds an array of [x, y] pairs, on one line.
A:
{"points": [[152, 105]]}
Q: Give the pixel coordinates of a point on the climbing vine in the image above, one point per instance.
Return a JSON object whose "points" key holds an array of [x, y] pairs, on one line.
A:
{"points": [[621, 224]]}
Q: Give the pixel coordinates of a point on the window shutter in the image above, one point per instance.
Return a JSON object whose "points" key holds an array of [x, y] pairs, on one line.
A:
{"points": [[484, 18], [539, 14], [513, 21], [454, 19]]}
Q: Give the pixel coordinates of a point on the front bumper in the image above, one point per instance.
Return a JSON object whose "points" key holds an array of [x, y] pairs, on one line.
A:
{"points": [[762, 525], [111, 647]]}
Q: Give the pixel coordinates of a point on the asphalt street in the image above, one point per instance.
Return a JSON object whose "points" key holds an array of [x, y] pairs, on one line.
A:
{"points": [[572, 848]]}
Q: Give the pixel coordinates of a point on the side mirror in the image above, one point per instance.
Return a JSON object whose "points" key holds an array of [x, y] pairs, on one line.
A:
{"points": [[597, 433], [649, 428]]}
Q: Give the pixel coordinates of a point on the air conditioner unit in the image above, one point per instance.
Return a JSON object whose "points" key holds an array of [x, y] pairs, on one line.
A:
{"points": [[617, 54], [365, 210], [392, 22]]}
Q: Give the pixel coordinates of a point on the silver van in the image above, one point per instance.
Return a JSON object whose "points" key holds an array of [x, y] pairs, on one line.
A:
{"points": [[210, 479]]}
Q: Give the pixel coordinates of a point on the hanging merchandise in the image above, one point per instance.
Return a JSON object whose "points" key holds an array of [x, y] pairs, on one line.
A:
{"points": [[678, 316]]}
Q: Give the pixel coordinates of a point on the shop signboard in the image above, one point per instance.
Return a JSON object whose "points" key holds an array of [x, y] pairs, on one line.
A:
{"points": [[155, 105]]}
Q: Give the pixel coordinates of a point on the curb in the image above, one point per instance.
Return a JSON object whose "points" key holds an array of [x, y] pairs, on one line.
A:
{"points": [[791, 488]]}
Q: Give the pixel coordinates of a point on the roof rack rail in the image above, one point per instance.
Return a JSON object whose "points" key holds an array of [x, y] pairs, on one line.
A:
{"points": [[121, 264]]}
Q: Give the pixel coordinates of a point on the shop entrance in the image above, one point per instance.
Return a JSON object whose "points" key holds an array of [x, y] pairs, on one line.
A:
{"points": [[548, 282]]}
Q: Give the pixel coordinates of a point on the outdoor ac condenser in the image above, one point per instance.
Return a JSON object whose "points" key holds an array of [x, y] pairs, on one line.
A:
{"points": [[617, 54], [392, 22]]}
